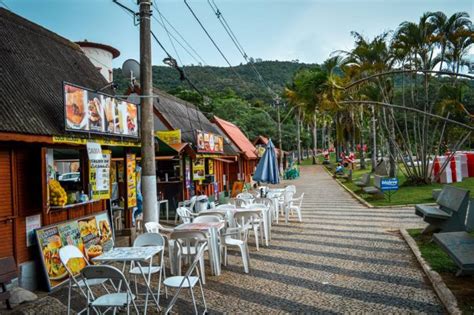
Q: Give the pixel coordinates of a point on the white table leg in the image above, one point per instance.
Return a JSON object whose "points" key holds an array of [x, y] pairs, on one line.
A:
{"points": [[149, 290], [214, 252], [265, 226]]}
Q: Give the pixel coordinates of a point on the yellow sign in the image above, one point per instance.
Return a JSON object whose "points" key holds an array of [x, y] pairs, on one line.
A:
{"points": [[131, 181], [99, 176], [169, 137], [210, 166], [198, 169], [78, 141]]}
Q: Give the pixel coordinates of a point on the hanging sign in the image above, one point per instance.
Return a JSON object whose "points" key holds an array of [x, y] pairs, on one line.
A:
{"points": [[107, 142], [99, 176], [89, 111], [169, 136], [209, 143], [131, 181]]}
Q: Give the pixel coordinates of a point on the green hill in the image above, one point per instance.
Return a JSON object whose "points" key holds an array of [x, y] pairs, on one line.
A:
{"points": [[212, 80]]}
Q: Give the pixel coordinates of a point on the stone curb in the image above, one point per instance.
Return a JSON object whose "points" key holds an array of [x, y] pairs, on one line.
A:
{"points": [[444, 293], [353, 194]]}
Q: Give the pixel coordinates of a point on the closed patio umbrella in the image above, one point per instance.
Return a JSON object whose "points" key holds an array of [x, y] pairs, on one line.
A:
{"points": [[267, 168]]}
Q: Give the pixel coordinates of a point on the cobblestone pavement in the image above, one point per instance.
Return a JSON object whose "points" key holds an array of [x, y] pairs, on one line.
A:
{"points": [[342, 258]]}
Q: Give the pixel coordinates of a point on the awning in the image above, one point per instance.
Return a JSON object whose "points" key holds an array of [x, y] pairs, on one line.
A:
{"points": [[224, 160]]}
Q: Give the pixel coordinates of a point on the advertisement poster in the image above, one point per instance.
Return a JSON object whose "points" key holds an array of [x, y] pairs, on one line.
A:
{"points": [[92, 235], [209, 143], [49, 242], [198, 169], [131, 181], [99, 176], [94, 112], [210, 166], [187, 172], [32, 223], [169, 137]]}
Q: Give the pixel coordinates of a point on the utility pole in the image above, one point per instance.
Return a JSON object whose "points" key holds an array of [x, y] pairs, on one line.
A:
{"points": [[150, 210], [277, 102]]}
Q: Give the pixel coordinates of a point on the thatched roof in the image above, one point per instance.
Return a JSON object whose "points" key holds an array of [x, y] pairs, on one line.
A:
{"points": [[179, 114], [34, 62]]}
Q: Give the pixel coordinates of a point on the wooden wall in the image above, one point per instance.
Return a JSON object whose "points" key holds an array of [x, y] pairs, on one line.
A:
{"points": [[21, 195]]}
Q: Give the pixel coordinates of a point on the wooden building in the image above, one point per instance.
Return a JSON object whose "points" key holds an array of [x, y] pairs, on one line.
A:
{"points": [[34, 63], [172, 113], [243, 169]]}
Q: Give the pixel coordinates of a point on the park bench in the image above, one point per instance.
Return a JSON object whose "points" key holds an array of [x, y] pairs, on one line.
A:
{"points": [[450, 212], [363, 182], [374, 190], [8, 272], [460, 247]]}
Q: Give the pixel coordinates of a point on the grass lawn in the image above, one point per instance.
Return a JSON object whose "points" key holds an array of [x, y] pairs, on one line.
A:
{"points": [[462, 287], [405, 194]]}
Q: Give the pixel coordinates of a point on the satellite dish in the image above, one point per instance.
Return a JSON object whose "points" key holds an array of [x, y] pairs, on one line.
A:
{"points": [[131, 69]]}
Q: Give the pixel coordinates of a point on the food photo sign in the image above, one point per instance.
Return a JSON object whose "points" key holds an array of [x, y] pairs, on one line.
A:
{"points": [[92, 235], [209, 143], [94, 112]]}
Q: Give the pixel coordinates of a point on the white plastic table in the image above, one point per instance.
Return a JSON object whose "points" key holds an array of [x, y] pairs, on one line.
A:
{"points": [[137, 255]]}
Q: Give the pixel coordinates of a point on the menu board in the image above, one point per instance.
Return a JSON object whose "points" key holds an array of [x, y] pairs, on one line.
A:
{"points": [[209, 143], [92, 235], [95, 112], [99, 176], [131, 181]]}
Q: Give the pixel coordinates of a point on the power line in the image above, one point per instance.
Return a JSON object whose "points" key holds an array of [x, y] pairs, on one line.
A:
{"points": [[179, 34], [215, 45], [237, 44]]}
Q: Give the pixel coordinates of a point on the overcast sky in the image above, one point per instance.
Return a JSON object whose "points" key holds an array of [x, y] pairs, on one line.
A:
{"points": [[308, 30]]}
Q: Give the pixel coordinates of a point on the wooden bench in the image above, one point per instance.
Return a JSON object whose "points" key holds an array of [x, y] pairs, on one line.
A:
{"points": [[8, 272], [460, 247], [363, 182], [374, 190], [449, 215]]}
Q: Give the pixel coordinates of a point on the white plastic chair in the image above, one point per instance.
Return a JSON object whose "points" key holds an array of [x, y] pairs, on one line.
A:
{"points": [[186, 242], [211, 213], [188, 204], [285, 203], [251, 223], [67, 253], [239, 203], [185, 215], [188, 280], [118, 299], [149, 239], [155, 227], [239, 240], [207, 218], [295, 207], [291, 188], [226, 207]]}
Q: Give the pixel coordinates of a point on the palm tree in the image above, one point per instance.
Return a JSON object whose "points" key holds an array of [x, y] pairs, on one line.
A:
{"points": [[446, 29]]}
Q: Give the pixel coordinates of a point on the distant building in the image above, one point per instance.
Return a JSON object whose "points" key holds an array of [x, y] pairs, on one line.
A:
{"points": [[101, 56]]}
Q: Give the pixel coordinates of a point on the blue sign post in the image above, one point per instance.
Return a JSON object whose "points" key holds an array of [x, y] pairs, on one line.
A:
{"points": [[390, 186]]}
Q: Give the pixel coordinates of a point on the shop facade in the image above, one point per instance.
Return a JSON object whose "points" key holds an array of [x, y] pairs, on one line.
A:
{"points": [[244, 167], [204, 161], [61, 157]]}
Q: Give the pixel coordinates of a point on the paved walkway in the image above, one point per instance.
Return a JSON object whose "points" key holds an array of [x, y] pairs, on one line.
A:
{"points": [[343, 258]]}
